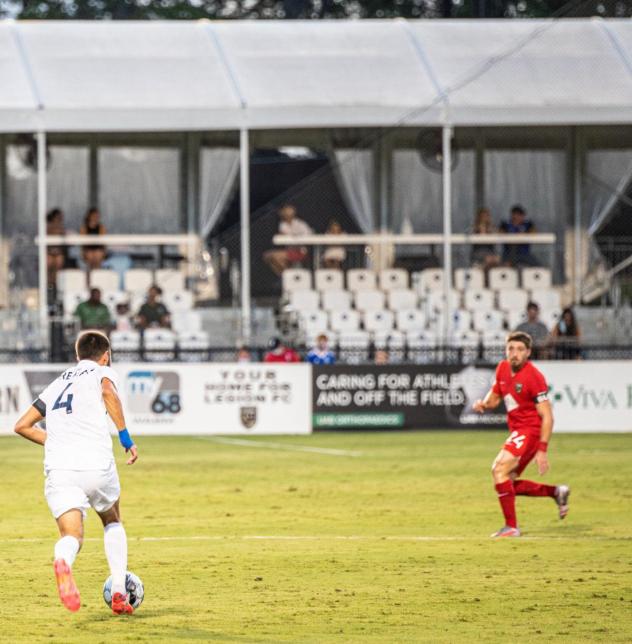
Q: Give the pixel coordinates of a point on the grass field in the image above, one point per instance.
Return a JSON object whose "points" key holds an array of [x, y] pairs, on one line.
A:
{"points": [[364, 537]]}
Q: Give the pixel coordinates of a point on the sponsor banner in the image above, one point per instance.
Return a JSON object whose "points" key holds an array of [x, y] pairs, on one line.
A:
{"points": [[165, 398], [401, 396], [590, 396]]}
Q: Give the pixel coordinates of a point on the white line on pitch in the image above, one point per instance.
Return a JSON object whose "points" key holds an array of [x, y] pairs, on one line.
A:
{"points": [[280, 446]]}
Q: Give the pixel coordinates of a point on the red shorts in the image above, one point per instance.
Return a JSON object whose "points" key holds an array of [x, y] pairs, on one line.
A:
{"points": [[524, 445], [295, 254]]}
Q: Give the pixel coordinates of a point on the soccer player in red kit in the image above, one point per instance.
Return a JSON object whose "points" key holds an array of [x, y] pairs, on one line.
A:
{"points": [[524, 391]]}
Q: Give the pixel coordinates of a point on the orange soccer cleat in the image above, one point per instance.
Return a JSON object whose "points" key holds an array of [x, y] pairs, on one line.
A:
{"points": [[66, 586], [121, 605]]}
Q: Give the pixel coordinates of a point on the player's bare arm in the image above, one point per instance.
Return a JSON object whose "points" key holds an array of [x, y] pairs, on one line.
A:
{"points": [[115, 410], [546, 414], [26, 426], [491, 401]]}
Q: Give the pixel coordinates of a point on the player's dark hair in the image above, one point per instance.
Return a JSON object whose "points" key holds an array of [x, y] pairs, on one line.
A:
{"points": [[92, 345], [520, 336]]}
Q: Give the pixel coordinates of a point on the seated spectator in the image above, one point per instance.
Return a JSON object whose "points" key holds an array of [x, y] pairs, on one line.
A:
{"points": [[334, 256], [289, 224], [123, 318], [93, 256], [56, 256], [484, 255], [381, 356], [243, 355], [153, 313], [536, 329], [518, 254], [321, 353], [280, 353], [93, 314], [566, 337]]}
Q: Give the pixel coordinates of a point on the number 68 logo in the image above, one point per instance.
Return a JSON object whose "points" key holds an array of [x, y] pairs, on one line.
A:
{"points": [[517, 439]]}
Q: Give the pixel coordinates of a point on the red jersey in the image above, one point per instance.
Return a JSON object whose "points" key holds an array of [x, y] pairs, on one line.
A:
{"points": [[521, 392], [287, 355]]}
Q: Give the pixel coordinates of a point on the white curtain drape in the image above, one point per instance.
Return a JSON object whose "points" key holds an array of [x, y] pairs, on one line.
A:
{"points": [[219, 168], [139, 189], [608, 173], [418, 194], [67, 183], [354, 171]]}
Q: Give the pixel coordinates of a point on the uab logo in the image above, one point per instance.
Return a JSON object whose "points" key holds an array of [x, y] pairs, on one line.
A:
{"points": [[582, 397]]}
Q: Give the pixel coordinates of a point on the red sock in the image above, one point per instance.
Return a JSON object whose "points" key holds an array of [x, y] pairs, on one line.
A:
{"points": [[531, 488], [507, 499]]}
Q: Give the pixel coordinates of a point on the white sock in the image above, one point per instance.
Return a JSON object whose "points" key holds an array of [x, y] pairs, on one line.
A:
{"points": [[115, 542], [67, 548]]}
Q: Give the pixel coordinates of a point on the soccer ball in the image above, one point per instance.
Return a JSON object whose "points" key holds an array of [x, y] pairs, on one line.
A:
{"points": [[133, 586]]}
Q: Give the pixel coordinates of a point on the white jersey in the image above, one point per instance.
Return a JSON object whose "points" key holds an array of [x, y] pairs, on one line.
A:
{"points": [[77, 424]]}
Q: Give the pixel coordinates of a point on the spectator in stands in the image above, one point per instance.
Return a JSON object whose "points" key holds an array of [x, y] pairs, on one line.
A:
{"points": [[244, 355], [93, 256], [321, 353], [153, 313], [566, 337], [484, 255], [289, 224], [334, 256], [123, 319], [280, 353], [381, 356], [536, 329], [56, 256], [93, 314], [518, 254]]}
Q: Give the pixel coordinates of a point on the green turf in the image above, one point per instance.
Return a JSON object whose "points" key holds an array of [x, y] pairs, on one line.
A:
{"points": [[361, 572]]}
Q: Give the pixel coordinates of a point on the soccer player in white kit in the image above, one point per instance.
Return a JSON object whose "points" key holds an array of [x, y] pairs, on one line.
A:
{"points": [[79, 463]]}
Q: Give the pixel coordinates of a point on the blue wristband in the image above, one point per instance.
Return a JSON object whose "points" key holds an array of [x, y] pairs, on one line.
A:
{"points": [[125, 438]]}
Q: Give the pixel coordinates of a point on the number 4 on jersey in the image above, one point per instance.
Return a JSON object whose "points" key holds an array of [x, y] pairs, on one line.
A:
{"points": [[64, 404]]}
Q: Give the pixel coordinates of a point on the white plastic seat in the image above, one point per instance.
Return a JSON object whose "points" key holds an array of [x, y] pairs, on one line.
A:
{"points": [[549, 317], [112, 298], [125, 345], [422, 346], [436, 301], [393, 278], [138, 280], [336, 300], [72, 279], [178, 300], [461, 321], [353, 346], [535, 278], [378, 320], [369, 300], [502, 277], [466, 278], [104, 279], [159, 344], [485, 321], [493, 346], [71, 300], [430, 279], [193, 346], [296, 279], [360, 279], [186, 321], [391, 339], [314, 322], [478, 299], [304, 300], [547, 298], [411, 320], [467, 342], [327, 279], [401, 299], [170, 279], [515, 318], [512, 299], [343, 321]]}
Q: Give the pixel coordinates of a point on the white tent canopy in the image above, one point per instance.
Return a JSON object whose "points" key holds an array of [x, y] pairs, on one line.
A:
{"points": [[186, 76]]}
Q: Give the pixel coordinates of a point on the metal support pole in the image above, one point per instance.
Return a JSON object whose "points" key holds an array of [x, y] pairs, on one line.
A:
{"points": [[577, 201], [244, 187], [479, 177], [447, 230], [41, 229]]}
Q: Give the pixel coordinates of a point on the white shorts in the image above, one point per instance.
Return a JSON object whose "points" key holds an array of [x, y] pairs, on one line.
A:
{"points": [[79, 490]]}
